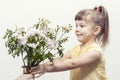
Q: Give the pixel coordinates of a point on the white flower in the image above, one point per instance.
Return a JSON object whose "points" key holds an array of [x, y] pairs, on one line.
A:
{"points": [[42, 34], [15, 34], [22, 40], [32, 32], [60, 48], [33, 45], [50, 44]]}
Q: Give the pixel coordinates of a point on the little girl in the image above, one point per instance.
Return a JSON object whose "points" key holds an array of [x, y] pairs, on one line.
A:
{"points": [[85, 60]]}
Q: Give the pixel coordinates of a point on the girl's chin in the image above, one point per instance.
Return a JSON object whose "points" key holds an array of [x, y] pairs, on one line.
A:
{"points": [[80, 40]]}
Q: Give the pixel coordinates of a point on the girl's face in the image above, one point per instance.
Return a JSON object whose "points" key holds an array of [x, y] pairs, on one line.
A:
{"points": [[84, 31]]}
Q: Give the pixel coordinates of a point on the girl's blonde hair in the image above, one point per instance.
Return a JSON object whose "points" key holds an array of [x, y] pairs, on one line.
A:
{"points": [[99, 17]]}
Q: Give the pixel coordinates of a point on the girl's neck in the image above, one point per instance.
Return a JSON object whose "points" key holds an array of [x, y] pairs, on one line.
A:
{"points": [[87, 43]]}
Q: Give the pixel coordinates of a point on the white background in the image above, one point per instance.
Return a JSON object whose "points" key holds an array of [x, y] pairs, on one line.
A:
{"points": [[25, 13]]}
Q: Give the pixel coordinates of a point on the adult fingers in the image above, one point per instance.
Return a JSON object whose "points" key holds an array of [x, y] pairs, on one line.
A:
{"points": [[38, 75]]}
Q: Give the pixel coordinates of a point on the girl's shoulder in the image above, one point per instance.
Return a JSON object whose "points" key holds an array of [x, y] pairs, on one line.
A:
{"points": [[95, 47]]}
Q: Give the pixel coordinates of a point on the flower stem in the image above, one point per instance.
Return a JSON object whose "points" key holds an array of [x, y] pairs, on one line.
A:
{"points": [[23, 59], [28, 63]]}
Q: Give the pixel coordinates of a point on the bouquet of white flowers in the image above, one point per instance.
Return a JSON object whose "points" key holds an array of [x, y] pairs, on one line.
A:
{"points": [[38, 43]]}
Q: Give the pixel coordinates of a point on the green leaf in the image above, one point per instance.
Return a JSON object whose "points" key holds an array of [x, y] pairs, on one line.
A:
{"points": [[63, 40], [37, 26], [50, 56]]}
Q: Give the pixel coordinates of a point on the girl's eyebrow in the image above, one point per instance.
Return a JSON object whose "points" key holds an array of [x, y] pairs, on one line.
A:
{"points": [[81, 24]]}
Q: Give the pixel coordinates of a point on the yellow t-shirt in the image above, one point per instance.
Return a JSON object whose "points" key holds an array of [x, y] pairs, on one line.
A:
{"points": [[94, 71]]}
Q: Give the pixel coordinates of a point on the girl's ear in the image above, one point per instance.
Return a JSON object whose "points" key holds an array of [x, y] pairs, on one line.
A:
{"points": [[97, 30]]}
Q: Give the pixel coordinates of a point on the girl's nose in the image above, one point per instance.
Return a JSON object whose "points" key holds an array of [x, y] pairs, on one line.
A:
{"points": [[77, 29]]}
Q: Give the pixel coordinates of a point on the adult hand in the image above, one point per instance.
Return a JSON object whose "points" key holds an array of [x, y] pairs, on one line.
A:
{"points": [[25, 77]]}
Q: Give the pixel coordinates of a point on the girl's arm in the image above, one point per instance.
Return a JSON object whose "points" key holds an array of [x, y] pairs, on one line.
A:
{"points": [[68, 64]]}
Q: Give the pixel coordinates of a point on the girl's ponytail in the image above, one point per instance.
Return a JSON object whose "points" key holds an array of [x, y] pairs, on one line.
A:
{"points": [[104, 36], [106, 26]]}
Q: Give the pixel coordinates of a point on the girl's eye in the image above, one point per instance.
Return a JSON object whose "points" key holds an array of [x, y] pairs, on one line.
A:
{"points": [[82, 26]]}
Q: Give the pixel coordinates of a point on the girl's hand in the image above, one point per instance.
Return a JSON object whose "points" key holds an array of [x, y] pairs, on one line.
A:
{"points": [[37, 71]]}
